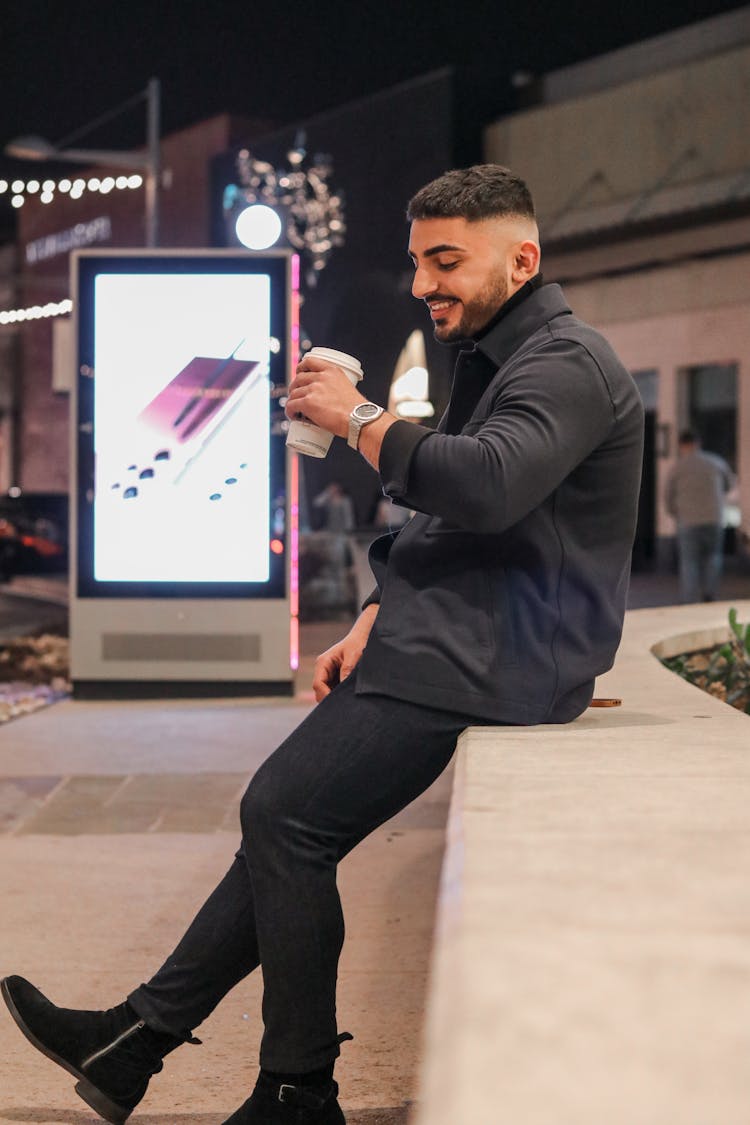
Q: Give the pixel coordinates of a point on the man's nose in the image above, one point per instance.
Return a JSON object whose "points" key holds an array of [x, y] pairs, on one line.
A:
{"points": [[423, 283]]}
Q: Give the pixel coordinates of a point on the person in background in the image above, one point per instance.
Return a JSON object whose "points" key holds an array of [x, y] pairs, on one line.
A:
{"points": [[338, 521], [337, 508], [695, 492]]}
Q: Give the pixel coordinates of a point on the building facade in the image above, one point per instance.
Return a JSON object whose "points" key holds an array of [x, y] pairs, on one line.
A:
{"points": [[36, 354], [639, 162]]}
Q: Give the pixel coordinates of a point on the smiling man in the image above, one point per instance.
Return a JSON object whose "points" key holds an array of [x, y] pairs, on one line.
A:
{"points": [[498, 602], [465, 270]]}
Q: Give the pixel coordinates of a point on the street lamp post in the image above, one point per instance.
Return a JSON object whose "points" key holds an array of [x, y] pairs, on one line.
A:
{"points": [[36, 148]]}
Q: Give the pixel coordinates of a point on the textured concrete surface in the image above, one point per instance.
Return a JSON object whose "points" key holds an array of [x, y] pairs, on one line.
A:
{"points": [[117, 819], [592, 958]]}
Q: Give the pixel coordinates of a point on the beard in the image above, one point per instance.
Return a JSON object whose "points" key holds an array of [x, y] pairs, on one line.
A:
{"points": [[477, 313]]}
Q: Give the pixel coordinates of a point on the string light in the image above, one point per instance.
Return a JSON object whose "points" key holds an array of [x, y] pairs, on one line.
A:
{"points": [[74, 188], [36, 312]]}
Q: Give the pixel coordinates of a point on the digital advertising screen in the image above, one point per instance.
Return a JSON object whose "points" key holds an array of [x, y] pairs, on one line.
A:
{"points": [[181, 461]]}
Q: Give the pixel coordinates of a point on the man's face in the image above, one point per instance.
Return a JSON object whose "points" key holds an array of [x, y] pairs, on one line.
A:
{"points": [[465, 271]]}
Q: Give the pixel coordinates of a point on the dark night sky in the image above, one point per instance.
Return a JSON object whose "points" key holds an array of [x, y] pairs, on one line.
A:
{"points": [[62, 64]]}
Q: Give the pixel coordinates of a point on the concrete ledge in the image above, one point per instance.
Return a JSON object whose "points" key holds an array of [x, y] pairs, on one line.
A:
{"points": [[591, 959]]}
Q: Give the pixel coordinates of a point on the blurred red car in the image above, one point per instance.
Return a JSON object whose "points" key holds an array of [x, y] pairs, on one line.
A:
{"points": [[33, 533]]}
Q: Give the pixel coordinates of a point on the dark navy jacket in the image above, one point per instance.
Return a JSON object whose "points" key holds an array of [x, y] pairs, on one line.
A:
{"points": [[504, 596]]}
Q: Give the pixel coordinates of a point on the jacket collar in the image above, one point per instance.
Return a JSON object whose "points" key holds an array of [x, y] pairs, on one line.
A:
{"points": [[529, 315]]}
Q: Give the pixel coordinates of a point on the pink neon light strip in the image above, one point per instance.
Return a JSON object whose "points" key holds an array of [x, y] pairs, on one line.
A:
{"points": [[294, 487], [294, 566]]}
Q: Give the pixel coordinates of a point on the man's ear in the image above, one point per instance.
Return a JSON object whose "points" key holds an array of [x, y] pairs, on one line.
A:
{"points": [[526, 257]]}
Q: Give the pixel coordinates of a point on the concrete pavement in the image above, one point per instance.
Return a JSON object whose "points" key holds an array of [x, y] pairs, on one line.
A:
{"points": [[116, 820]]}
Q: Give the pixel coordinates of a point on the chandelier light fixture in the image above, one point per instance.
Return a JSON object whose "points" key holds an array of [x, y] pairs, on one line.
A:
{"points": [[310, 211]]}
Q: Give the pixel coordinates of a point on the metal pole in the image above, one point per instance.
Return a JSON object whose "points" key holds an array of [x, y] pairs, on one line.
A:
{"points": [[153, 178]]}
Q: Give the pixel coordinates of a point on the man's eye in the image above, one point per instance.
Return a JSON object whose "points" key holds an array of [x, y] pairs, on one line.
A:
{"points": [[447, 265]]}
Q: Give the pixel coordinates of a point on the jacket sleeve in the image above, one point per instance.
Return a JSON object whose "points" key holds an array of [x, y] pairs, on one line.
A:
{"points": [[550, 412]]}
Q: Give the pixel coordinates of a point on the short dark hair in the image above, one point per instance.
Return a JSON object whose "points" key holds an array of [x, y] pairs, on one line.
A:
{"points": [[484, 191], [689, 437]]}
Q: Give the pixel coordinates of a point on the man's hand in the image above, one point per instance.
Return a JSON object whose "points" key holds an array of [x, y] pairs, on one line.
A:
{"points": [[336, 663], [322, 393]]}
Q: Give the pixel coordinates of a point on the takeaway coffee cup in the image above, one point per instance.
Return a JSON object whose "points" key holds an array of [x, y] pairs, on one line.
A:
{"points": [[303, 436]]}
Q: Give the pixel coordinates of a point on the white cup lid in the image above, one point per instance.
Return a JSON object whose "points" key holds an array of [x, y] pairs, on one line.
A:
{"points": [[342, 359]]}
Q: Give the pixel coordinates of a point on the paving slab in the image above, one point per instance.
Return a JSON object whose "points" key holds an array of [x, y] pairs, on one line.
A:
{"points": [[116, 820]]}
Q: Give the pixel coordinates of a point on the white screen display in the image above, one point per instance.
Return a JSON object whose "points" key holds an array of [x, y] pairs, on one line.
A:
{"points": [[181, 427]]}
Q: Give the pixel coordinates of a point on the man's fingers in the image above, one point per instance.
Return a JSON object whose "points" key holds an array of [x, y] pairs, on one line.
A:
{"points": [[326, 675], [320, 690]]}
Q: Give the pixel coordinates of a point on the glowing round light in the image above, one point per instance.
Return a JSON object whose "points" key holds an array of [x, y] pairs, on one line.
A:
{"points": [[121, 182], [106, 185], [32, 187], [64, 185], [94, 183], [48, 185], [46, 197], [277, 547], [17, 201], [258, 227], [18, 185], [135, 181], [3, 186]]}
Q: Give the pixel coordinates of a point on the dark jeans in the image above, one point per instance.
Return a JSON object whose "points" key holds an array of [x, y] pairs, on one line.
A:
{"points": [[701, 559], [355, 761]]}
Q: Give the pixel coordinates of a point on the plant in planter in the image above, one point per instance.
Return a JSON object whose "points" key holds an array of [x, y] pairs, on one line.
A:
{"points": [[722, 671]]}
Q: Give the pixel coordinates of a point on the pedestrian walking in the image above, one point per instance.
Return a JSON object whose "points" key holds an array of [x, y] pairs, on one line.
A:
{"points": [[695, 492]]}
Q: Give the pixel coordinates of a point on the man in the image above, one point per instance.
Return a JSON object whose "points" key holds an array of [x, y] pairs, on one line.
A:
{"points": [[695, 493], [498, 602], [338, 521]]}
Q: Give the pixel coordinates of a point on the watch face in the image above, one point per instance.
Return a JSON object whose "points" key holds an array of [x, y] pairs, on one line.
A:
{"points": [[366, 410]]}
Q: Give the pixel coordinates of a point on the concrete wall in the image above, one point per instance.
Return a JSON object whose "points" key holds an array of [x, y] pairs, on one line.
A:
{"points": [[668, 319], [633, 133], [8, 367], [591, 960]]}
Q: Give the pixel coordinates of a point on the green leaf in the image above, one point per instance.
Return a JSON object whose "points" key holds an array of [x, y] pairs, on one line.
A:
{"points": [[735, 626]]}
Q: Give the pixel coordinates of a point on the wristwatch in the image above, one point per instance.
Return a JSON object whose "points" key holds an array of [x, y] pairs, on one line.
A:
{"points": [[362, 415]]}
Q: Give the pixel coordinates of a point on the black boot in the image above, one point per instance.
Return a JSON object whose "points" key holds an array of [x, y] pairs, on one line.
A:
{"points": [[112, 1054], [278, 1103]]}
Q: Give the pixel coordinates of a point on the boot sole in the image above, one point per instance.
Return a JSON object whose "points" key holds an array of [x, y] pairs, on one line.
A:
{"points": [[93, 1097]]}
